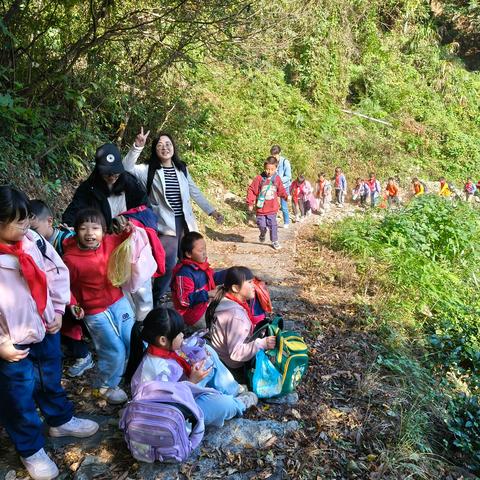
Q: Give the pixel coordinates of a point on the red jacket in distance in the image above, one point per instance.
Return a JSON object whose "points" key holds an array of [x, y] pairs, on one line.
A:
{"points": [[270, 190]]}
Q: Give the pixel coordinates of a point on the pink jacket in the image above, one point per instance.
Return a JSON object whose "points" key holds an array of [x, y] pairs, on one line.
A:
{"points": [[19, 318], [230, 330]]}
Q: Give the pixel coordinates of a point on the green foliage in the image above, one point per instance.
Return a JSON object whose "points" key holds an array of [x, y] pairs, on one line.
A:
{"points": [[423, 256]]}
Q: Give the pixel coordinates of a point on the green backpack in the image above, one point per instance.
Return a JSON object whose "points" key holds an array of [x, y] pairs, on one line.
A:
{"points": [[290, 355]]}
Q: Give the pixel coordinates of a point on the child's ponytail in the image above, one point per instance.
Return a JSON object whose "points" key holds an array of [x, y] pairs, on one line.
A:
{"points": [[210, 313], [136, 351]]}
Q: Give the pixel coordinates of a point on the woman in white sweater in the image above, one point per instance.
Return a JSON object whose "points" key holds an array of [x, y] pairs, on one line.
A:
{"points": [[170, 189]]}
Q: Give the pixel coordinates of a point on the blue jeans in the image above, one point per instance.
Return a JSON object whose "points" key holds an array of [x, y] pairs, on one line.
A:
{"points": [[31, 382], [284, 208], [217, 408], [171, 245], [220, 377], [110, 331]]}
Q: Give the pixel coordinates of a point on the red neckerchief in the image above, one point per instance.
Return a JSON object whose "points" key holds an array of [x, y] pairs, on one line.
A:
{"points": [[162, 353], [245, 305], [34, 276], [372, 184], [204, 267]]}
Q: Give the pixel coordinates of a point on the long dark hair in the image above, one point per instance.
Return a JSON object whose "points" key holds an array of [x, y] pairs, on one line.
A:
{"points": [[14, 204], [233, 276], [159, 322], [154, 162]]}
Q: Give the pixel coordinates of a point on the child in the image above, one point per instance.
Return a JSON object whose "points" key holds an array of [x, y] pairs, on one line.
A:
{"points": [[194, 282], [444, 188], [323, 193], [42, 222], [340, 183], [231, 323], [392, 193], [417, 187], [300, 190], [374, 189], [264, 192], [163, 332], [469, 190], [360, 192], [34, 292], [71, 331], [107, 313]]}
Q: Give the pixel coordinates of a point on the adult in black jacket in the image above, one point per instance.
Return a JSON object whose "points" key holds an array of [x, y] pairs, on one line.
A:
{"points": [[109, 188]]}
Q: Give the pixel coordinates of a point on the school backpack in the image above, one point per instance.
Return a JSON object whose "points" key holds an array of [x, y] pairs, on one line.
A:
{"points": [[290, 355], [162, 422]]}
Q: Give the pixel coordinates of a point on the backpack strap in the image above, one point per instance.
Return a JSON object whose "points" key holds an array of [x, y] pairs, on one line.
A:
{"points": [[41, 244]]}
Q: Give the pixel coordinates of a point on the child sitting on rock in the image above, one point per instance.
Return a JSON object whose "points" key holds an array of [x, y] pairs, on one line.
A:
{"points": [[163, 332], [194, 281], [231, 322]]}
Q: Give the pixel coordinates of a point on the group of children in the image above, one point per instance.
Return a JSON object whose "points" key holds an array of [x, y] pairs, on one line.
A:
{"points": [[267, 189], [49, 272]]}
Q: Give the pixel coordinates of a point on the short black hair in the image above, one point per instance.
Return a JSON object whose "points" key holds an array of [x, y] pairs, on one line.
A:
{"points": [[275, 150], [40, 209], [270, 161], [89, 215], [188, 242]]}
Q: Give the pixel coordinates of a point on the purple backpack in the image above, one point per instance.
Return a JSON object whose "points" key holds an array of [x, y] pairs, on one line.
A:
{"points": [[162, 422]]}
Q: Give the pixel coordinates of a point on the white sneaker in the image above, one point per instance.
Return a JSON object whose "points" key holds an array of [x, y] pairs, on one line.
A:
{"points": [[115, 396], [242, 389], [40, 466], [286, 225], [249, 399], [75, 427], [81, 365], [276, 246]]}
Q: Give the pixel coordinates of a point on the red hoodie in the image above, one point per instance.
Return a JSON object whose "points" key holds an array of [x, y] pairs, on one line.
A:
{"points": [[91, 288], [261, 183]]}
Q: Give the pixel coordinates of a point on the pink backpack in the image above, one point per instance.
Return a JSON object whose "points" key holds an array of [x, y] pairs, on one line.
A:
{"points": [[162, 422]]}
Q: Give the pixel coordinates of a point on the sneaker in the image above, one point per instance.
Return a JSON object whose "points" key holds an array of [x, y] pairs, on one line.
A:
{"points": [[81, 365], [40, 466], [249, 399], [276, 246], [286, 225], [261, 237], [242, 389], [115, 396], [76, 427]]}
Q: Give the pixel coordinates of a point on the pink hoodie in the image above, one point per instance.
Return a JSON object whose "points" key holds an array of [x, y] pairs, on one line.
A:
{"points": [[19, 318], [230, 330]]}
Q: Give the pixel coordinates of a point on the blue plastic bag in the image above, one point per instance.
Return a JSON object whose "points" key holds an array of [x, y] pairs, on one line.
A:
{"points": [[266, 380]]}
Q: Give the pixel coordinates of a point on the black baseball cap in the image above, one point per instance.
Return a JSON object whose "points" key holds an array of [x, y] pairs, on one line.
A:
{"points": [[108, 160]]}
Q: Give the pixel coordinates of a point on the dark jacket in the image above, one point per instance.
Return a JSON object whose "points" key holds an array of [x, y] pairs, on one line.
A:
{"points": [[91, 194]]}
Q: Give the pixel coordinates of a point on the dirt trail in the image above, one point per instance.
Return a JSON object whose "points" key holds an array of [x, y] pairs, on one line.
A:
{"points": [[345, 423]]}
